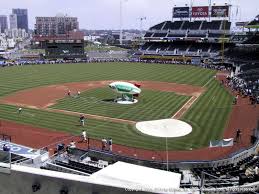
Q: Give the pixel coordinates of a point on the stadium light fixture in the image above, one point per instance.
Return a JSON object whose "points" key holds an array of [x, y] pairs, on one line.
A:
{"points": [[121, 19]]}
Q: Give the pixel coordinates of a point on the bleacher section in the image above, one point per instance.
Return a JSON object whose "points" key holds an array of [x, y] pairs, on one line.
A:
{"points": [[252, 40], [159, 35], [181, 47], [148, 35], [194, 25], [198, 37], [230, 174]]}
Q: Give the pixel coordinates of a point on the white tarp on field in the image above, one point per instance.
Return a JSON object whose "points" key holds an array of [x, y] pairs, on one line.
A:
{"points": [[222, 143], [164, 128], [130, 176]]}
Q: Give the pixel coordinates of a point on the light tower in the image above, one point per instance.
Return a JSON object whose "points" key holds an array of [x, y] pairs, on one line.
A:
{"points": [[141, 19], [121, 20]]}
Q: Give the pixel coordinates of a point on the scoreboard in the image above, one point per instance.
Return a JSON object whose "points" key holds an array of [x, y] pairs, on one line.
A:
{"points": [[64, 49]]}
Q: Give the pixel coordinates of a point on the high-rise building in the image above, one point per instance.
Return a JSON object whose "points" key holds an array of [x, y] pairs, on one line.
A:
{"points": [[52, 26], [3, 23], [22, 18], [13, 21]]}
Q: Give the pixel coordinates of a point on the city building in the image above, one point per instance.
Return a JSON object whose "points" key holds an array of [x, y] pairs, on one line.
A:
{"points": [[22, 18], [3, 23], [13, 21], [59, 25], [16, 33]]}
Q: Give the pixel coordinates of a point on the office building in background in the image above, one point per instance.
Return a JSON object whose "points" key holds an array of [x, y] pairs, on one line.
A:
{"points": [[53, 26], [13, 21], [22, 18], [3, 23]]}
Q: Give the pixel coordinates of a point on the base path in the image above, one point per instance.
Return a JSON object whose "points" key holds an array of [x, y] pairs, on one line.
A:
{"points": [[45, 96]]}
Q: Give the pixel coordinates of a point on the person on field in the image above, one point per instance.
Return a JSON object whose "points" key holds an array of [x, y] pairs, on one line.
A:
{"points": [[84, 136], [78, 93], [238, 135], [69, 93], [82, 120], [110, 144], [19, 110], [104, 143]]}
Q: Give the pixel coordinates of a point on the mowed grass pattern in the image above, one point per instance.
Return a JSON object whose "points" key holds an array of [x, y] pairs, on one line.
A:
{"points": [[123, 134], [207, 116], [17, 78], [152, 105]]}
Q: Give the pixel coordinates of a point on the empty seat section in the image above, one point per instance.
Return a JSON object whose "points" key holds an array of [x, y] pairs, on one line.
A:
{"points": [[148, 34], [167, 25], [194, 48], [214, 35], [205, 25], [146, 45], [172, 47], [215, 48], [215, 25], [158, 26], [176, 35], [205, 47], [176, 25], [196, 35], [186, 25], [157, 35], [195, 25]]}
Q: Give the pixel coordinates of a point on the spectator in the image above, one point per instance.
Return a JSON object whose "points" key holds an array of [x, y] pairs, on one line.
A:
{"points": [[256, 170], [6, 148], [72, 144]]}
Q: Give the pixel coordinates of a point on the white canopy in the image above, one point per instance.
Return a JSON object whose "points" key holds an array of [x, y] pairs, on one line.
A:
{"points": [[130, 176]]}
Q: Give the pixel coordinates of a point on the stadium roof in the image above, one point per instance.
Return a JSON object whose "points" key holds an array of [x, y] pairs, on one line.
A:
{"points": [[135, 177]]}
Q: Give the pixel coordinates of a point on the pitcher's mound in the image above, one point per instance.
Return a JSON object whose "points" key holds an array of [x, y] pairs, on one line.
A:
{"points": [[164, 128]]}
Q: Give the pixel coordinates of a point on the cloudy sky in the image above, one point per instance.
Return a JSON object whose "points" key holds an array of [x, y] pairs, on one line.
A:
{"points": [[104, 14]]}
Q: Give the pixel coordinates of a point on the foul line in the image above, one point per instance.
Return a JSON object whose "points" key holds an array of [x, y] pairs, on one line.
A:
{"points": [[97, 117], [208, 82], [185, 106]]}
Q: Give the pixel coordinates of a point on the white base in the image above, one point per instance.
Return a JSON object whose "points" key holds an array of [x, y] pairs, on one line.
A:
{"points": [[120, 101], [164, 128]]}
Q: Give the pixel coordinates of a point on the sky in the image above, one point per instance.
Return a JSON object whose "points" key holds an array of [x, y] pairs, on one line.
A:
{"points": [[105, 14]]}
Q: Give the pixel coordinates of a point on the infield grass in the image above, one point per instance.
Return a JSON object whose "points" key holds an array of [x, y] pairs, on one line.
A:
{"points": [[152, 105]]}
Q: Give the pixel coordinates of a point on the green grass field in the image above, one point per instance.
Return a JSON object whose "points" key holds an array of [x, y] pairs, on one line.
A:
{"points": [[208, 115], [152, 105]]}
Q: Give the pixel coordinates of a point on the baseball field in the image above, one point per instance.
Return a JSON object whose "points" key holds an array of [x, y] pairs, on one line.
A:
{"points": [[208, 114]]}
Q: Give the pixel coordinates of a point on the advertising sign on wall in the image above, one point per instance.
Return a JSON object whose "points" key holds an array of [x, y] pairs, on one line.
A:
{"points": [[198, 12], [219, 11], [181, 12]]}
